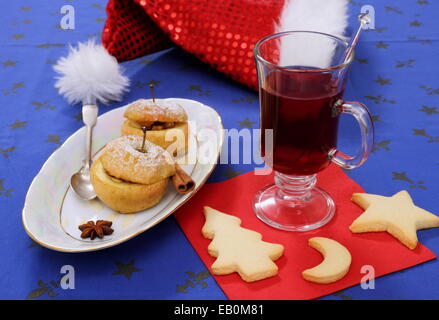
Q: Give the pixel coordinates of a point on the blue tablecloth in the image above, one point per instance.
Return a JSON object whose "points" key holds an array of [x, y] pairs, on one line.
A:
{"points": [[395, 73]]}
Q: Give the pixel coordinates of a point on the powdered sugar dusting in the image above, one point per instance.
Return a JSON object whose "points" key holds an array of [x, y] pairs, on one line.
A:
{"points": [[126, 152], [158, 108]]}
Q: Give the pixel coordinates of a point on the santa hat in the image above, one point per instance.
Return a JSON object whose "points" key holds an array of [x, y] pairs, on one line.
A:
{"points": [[221, 33]]}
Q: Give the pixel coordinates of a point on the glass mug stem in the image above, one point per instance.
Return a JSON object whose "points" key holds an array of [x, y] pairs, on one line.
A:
{"points": [[362, 115]]}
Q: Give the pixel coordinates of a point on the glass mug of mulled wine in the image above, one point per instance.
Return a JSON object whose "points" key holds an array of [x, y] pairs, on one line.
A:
{"points": [[302, 76]]}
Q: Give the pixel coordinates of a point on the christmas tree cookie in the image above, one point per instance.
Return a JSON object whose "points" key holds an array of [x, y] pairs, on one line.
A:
{"points": [[238, 249]]}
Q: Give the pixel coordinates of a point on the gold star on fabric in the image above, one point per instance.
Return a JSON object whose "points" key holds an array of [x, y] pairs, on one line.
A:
{"points": [[383, 81], [402, 176], [420, 132], [397, 215], [246, 123], [54, 139], [415, 24], [126, 269], [194, 87], [362, 61], [9, 63], [18, 36], [429, 110], [78, 116], [18, 124], [382, 45]]}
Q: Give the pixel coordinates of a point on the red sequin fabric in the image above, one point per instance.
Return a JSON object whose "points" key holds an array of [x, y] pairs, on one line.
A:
{"points": [[221, 33]]}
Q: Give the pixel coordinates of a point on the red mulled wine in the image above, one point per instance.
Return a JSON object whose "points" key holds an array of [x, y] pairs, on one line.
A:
{"points": [[299, 108]]}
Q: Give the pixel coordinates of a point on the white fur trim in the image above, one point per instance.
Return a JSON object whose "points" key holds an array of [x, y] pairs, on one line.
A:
{"points": [[90, 74], [328, 16]]}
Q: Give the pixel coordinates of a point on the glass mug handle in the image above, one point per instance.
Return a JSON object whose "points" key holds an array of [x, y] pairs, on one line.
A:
{"points": [[362, 115]]}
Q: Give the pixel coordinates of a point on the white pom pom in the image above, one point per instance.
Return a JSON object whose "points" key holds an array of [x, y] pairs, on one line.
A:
{"points": [[90, 74]]}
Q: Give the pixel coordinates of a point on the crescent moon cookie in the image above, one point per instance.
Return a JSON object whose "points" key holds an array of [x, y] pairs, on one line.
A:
{"points": [[335, 264], [397, 215], [128, 180], [237, 249], [166, 123]]}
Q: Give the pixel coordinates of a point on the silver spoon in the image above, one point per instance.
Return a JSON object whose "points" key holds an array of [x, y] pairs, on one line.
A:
{"points": [[363, 19], [80, 181]]}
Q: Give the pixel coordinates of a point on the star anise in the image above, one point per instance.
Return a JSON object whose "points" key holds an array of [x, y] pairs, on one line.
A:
{"points": [[99, 229]]}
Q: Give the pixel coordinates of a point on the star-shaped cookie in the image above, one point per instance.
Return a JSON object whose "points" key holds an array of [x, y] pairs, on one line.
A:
{"points": [[397, 215]]}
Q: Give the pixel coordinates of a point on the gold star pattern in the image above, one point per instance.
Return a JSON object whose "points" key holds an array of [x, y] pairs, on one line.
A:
{"points": [[430, 91], [362, 61], [194, 87], [379, 30], [423, 133], [4, 191], [9, 63], [248, 99], [422, 2], [393, 9], [5, 152], [15, 86], [49, 45], [428, 110], [381, 45], [25, 8], [402, 64], [16, 23], [246, 123], [383, 81], [126, 269], [18, 124], [99, 20], [402, 176], [422, 41], [415, 23], [18, 36], [420, 132], [141, 85], [195, 279], [342, 295], [54, 139], [383, 145], [38, 105], [397, 215], [44, 288], [78, 116], [198, 89]]}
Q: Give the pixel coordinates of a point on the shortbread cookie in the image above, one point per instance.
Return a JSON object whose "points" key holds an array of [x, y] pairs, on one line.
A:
{"points": [[396, 214], [238, 249], [335, 264]]}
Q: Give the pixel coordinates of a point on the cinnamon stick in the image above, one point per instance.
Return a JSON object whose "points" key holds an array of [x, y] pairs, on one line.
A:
{"points": [[182, 182]]}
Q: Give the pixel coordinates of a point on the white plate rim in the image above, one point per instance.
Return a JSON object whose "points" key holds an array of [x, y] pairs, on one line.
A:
{"points": [[105, 245]]}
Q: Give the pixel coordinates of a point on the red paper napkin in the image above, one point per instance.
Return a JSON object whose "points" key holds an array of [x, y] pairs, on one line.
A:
{"points": [[234, 196]]}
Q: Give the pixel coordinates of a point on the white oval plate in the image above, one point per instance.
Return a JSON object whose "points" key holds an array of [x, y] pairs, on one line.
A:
{"points": [[52, 212]]}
